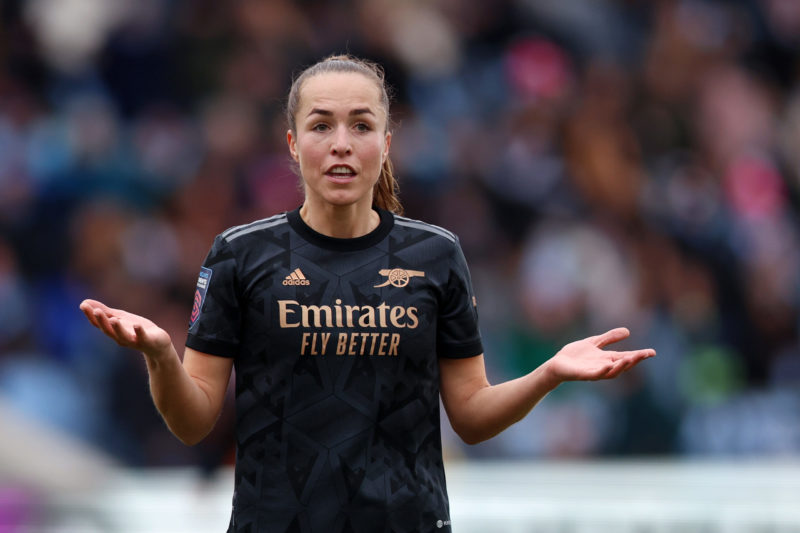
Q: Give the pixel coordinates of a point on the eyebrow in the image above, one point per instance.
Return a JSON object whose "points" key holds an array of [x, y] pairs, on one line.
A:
{"points": [[353, 112]]}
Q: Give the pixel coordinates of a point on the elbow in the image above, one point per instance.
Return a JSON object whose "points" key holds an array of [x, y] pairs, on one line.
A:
{"points": [[190, 440], [472, 436], [475, 433], [189, 428], [190, 436], [471, 440]]}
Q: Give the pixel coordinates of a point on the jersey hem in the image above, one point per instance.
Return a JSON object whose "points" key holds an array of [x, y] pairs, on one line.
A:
{"points": [[462, 351], [220, 349]]}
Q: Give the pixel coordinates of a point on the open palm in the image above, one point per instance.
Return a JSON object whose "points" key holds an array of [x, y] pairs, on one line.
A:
{"points": [[586, 360], [127, 329]]}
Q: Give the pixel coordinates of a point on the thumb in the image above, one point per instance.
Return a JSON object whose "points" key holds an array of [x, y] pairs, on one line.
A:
{"points": [[609, 337]]}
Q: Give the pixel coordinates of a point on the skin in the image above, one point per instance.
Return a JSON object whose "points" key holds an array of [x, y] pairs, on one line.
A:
{"points": [[340, 121], [188, 394]]}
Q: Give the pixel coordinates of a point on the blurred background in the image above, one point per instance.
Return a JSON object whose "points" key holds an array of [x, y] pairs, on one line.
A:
{"points": [[604, 163]]}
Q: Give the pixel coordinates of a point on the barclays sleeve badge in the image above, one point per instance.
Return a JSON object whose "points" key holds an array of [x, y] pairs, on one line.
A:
{"points": [[200, 293]]}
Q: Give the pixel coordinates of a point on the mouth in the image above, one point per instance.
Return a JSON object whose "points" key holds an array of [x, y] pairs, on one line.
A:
{"points": [[340, 173]]}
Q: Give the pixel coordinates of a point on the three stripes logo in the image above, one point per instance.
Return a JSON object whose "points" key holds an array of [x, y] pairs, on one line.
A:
{"points": [[296, 278]]}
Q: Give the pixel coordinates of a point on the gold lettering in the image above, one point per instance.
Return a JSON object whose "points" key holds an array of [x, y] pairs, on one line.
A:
{"points": [[374, 338], [412, 315], [367, 320], [338, 315], [317, 311], [325, 338], [396, 314], [394, 344], [304, 343], [338, 309], [352, 347], [349, 310], [341, 346], [382, 345], [283, 311], [382, 308]]}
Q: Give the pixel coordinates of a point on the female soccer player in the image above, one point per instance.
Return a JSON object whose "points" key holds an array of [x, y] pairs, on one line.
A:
{"points": [[345, 322]]}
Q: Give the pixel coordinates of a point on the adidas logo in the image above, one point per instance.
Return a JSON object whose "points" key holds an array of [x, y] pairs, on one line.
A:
{"points": [[296, 278]]}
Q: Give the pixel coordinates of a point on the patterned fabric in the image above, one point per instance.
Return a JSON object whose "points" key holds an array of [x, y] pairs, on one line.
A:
{"points": [[335, 345]]}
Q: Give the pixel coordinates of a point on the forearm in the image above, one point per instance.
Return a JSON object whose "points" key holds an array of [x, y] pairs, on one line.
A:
{"points": [[491, 409], [180, 399], [479, 411], [188, 394]]}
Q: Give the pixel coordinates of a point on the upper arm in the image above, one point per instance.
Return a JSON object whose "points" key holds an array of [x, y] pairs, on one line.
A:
{"points": [[212, 374], [457, 332], [459, 379]]}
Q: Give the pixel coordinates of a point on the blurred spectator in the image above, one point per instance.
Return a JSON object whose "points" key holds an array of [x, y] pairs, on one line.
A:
{"points": [[604, 163]]}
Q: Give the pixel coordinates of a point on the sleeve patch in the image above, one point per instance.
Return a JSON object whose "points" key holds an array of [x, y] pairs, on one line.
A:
{"points": [[200, 293]]}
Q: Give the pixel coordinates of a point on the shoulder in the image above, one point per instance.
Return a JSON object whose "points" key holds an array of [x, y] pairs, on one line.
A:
{"points": [[412, 225], [248, 245], [237, 232], [434, 243]]}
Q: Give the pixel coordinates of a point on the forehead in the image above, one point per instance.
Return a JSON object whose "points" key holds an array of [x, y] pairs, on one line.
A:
{"points": [[331, 90]]}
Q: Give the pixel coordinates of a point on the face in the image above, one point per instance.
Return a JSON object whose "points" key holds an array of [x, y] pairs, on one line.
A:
{"points": [[341, 140]]}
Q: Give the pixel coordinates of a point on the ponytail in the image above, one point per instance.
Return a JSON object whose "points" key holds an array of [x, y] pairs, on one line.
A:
{"points": [[385, 196]]}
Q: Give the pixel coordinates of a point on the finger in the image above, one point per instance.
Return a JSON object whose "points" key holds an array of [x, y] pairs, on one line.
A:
{"points": [[104, 323], [617, 368], [611, 336], [628, 361], [139, 333], [640, 356], [599, 373], [627, 365], [124, 335], [637, 354], [108, 311], [96, 304], [89, 312]]}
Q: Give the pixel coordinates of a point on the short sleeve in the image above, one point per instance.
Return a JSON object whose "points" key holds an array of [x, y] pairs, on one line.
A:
{"points": [[457, 333], [214, 326]]}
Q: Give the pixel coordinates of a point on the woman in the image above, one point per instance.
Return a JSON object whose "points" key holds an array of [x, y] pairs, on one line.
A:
{"points": [[346, 322]]}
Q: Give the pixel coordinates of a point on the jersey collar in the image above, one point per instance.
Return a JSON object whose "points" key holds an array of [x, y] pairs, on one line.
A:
{"points": [[345, 245]]}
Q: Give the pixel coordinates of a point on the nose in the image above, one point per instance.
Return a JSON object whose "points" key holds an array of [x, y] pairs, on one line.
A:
{"points": [[340, 143]]}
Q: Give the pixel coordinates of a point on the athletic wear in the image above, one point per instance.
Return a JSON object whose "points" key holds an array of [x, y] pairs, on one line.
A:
{"points": [[335, 345]]}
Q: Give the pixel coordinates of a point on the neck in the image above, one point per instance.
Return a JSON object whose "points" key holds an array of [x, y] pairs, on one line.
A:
{"points": [[341, 222]]}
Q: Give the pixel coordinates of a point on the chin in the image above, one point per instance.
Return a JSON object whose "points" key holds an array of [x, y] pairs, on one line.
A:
{"points": [[342, 200], [345, 197]]}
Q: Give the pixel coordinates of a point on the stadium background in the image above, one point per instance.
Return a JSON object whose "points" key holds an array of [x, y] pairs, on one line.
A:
{"points": [[604, 163]]}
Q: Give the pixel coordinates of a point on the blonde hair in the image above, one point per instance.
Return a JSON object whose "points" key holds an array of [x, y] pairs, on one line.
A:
{"points": [[385, 195]]}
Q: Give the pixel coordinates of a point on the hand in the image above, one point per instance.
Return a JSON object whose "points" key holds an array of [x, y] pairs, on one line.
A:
{"points": [[586, 360], [127, 329]]}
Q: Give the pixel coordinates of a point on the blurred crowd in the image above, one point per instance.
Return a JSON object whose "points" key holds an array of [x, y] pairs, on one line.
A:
{"points": [[604, 163]]}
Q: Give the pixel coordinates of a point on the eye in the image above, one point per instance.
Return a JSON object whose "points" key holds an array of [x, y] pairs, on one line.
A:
{"points": [[320, 127], [362, 127]]}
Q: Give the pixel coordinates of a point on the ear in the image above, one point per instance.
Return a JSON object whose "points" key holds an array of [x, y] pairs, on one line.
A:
{"points": [[388, 142], [292, 142]]}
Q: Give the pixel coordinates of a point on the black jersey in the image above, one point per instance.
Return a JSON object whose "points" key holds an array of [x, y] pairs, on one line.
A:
{"points": [[335, 345]]}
